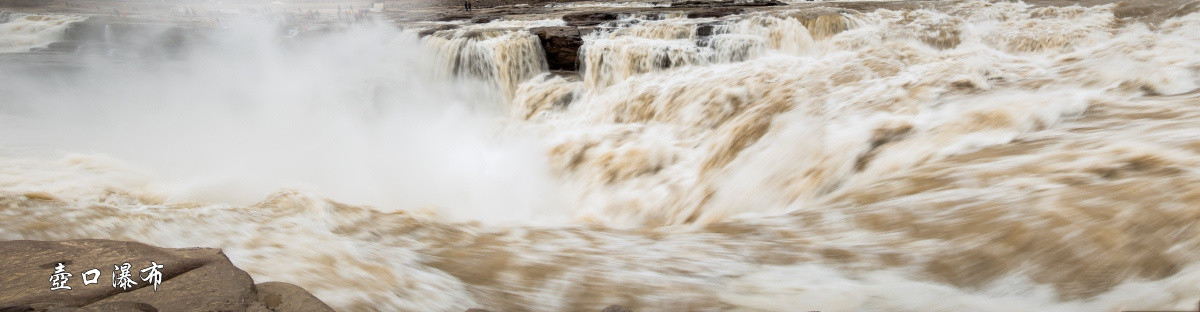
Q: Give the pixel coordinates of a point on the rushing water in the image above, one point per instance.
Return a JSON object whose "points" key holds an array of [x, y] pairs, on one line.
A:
{"points": [[22, 32], [977, 156]]}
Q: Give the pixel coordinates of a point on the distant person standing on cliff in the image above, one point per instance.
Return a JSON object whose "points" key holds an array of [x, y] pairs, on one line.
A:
{"points": [[467, 3]]}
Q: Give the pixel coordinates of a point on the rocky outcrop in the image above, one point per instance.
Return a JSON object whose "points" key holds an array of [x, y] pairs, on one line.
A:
{"points": [[25, 3], [279, 296], [611, 308], [144, 38], [714, 12], [725, 3], [616, 308], [561, 45], [432, 30], [1154, 12], [588, 18], [192, 279]]}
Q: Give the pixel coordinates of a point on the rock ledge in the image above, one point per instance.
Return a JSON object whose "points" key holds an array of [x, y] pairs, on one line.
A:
{"points": [[193, 279]]}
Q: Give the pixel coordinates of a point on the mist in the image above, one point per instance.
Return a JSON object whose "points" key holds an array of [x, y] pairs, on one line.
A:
{"points": [[360, 115]]}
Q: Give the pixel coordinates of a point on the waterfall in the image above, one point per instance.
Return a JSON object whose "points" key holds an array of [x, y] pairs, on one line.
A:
{"points": [[21, 32]]}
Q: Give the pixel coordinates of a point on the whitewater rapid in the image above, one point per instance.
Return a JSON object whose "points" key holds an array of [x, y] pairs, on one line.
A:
{"points": [[973, 156], [23, 32]]}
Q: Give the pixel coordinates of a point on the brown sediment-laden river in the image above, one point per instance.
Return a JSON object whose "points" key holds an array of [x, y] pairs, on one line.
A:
{"points": [[965, 156]]}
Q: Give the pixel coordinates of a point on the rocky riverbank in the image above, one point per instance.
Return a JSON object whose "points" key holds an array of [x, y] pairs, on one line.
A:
{"points": [[560, 43], [54, 276], [58, 276]]}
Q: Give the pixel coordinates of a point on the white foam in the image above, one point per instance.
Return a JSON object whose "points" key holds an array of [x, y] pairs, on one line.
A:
{"points": [[22, 32]]}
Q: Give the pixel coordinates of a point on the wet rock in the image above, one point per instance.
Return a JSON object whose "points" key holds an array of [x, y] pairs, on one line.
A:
{"points": [[1154, 12], [147, 39], [705, 30], [714, 12], [611, 308], [616, 308], [62, 47], [431, 30], [726, 3], [588, 18], [192, 279], [25, 3], [284, 297], [101, 307], [561, 45]]}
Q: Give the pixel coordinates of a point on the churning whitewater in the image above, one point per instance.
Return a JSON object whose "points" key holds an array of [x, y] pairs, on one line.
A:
{"points": [[966, 156]]}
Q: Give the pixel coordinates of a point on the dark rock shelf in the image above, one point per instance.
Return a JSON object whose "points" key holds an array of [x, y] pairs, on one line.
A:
{"points": [[193, 279]]}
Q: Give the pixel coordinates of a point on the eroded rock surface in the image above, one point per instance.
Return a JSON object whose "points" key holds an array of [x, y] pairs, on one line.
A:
{"points": [[193, 279], [561, 45]]}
